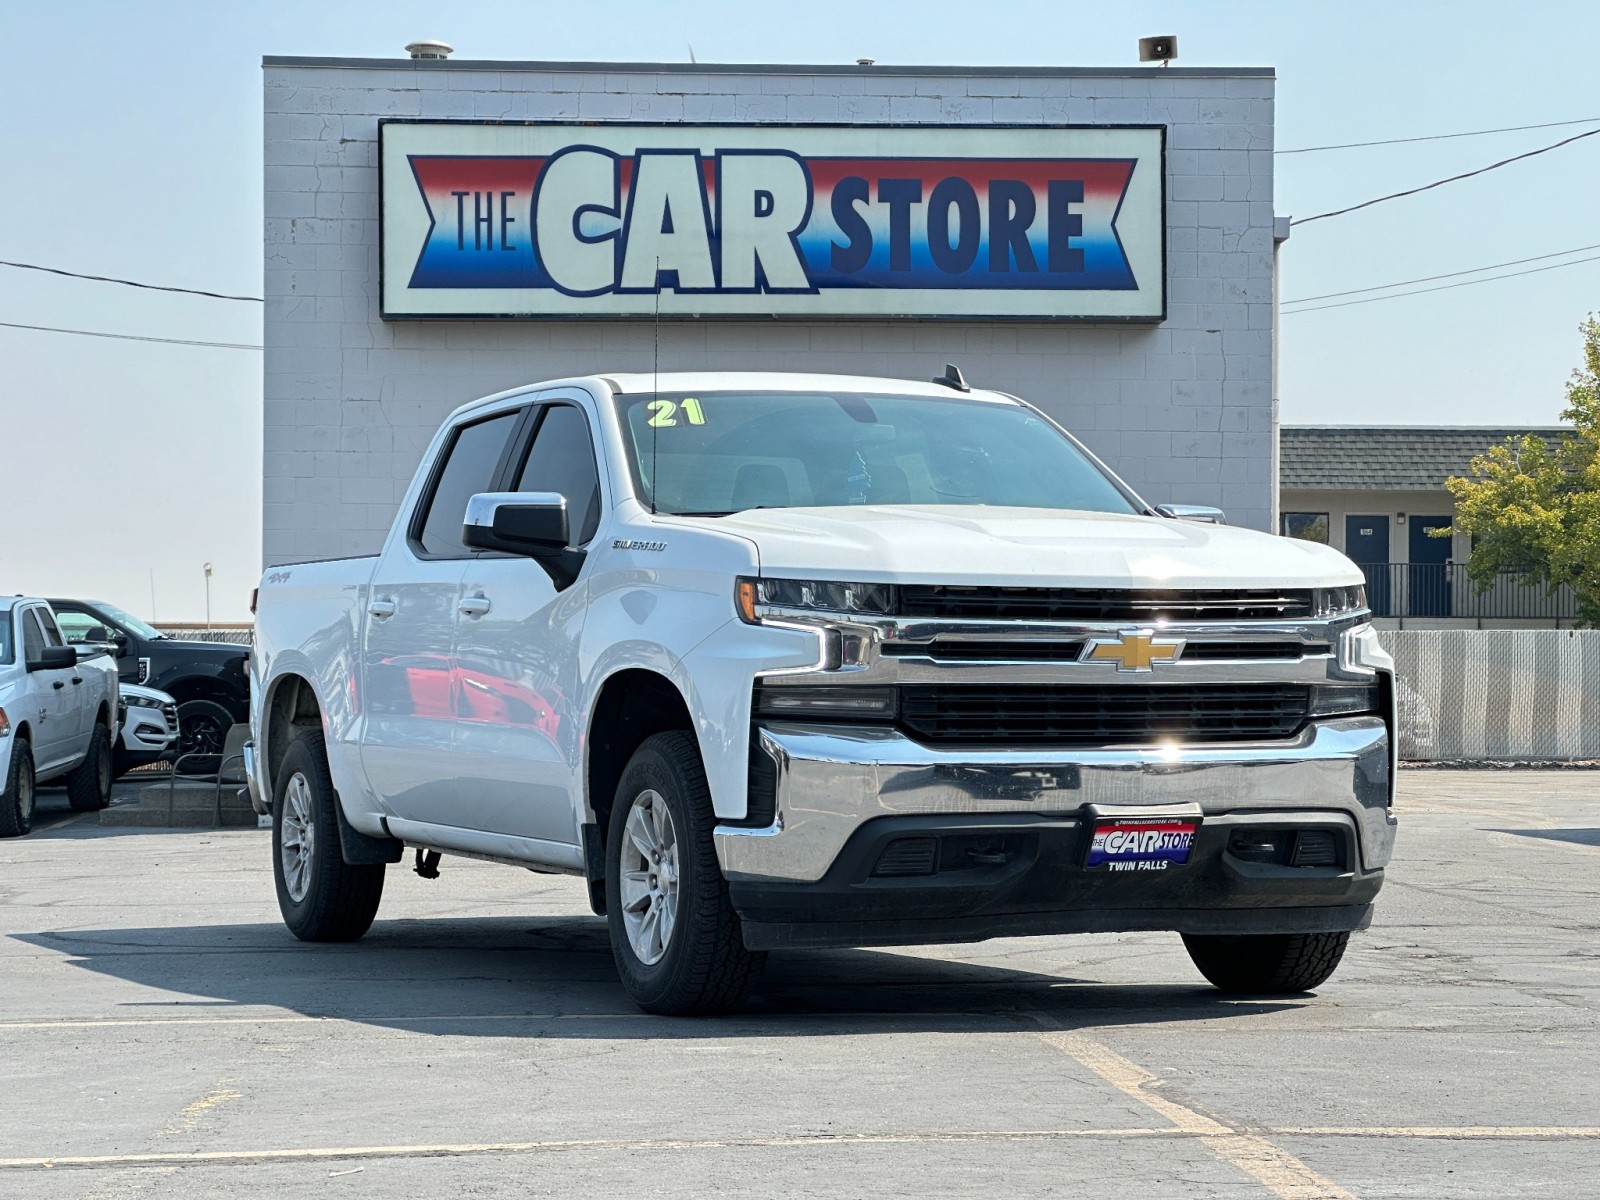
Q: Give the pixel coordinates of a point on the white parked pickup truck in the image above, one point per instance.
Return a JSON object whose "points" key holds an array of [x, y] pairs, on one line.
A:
{"points": [[792, 660], [58, 705]]}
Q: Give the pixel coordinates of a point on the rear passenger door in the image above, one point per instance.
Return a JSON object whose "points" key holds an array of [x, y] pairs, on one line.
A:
{"points": [[517, 733], [408, 689]]}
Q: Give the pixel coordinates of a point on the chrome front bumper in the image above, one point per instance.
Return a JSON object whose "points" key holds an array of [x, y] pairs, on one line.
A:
{"points": [[831, 780]]}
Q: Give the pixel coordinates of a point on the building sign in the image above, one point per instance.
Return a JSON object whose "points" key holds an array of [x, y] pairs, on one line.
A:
{"points": [[618, 220]]}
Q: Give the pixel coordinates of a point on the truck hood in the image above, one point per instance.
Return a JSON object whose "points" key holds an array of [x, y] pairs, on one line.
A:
{"points": [[1028, 547]]}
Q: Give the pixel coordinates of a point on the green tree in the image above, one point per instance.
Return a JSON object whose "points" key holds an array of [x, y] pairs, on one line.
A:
{"points": [[1534, 507]]}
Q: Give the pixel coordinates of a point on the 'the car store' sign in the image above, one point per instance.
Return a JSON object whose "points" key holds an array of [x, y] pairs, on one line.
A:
{"points": [[618, 220]]}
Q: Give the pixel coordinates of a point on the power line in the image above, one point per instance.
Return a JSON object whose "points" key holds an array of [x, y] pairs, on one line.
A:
{"points": [[134, 283], [131, 337], [1516, 262], [1439, 137], [1444, 287], [1339, 212]]}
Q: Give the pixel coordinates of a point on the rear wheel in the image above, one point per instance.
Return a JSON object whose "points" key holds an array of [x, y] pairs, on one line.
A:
{"points": [[322, 897], [1267, 964], [674, 933], [89, 784], [16, 802]]}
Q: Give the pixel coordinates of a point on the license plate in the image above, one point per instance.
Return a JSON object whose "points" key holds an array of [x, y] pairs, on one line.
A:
{"points": [[1141, 844]]}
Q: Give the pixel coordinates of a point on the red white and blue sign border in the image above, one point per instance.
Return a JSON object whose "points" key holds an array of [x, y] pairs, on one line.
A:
{"points": [[445, 183]]}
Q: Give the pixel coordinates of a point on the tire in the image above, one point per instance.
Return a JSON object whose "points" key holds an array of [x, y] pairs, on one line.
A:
{"points": [[1267, 964], [322, 897], [21, 793], [89, 783], [202, 727], [700, 965]]}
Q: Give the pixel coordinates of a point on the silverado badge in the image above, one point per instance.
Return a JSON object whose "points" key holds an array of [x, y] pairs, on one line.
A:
{"points": [[1133, 650]]}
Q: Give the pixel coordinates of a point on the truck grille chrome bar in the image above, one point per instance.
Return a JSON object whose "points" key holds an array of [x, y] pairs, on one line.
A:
{"points": [[1102, 604]]}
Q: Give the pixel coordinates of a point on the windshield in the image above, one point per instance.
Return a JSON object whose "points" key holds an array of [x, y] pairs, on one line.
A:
{"points": [[129, 622], [6, 618], [715, 453]]}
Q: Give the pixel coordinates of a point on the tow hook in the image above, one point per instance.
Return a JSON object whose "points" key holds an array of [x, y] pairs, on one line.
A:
{"points": [[427, 863]]}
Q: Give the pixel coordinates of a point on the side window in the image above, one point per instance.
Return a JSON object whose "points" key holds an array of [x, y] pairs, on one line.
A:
{"points": [[52, 635], [469, 468], [562, 460], [32, 637], [77, 626]]}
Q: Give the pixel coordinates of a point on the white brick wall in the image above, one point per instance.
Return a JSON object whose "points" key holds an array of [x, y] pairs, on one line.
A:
{"points": [[1183, 409]]}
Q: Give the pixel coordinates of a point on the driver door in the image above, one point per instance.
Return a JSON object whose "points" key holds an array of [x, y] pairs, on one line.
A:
{"points": [[49, 706]]}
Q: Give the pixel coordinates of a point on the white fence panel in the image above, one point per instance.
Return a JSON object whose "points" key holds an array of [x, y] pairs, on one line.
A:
{"points": [[1479, 694]]}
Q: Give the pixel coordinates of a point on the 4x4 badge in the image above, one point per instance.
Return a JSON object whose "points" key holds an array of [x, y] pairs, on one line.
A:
{"points": [[1133, 650]]}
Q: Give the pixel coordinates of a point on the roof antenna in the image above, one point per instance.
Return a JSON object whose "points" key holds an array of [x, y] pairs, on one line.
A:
{"points": [[952, 378], [655, 396]]}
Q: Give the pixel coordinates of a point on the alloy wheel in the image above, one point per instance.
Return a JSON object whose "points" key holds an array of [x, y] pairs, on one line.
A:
{"points": [[649, 877], [298, 837]]}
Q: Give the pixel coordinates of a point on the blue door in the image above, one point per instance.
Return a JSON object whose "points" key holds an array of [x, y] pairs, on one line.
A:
{"points": [[1429, 575], [1366, 541]]}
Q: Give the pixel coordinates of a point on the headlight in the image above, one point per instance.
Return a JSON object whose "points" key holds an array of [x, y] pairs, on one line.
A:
{"points": [[143, 702], [1338, 601], [814, 594]]}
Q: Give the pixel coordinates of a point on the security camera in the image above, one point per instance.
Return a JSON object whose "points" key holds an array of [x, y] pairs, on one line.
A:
{"points": [[1158, 49]]}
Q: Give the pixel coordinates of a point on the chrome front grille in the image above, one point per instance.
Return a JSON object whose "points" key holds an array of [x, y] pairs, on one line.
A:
{"points": [[942, 602]]}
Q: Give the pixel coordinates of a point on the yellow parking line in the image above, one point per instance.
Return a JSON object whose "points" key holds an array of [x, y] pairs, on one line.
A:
{"points": [[202, 1158], [1450, 1132], [1280, 1172]]}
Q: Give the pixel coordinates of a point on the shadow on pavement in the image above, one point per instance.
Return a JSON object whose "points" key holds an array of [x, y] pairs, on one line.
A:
{"points": [[1580, 837], [553, 977]]}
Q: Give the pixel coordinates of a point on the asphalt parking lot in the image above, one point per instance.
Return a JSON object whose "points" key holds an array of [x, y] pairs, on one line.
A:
{"points": [[165, 1036]]}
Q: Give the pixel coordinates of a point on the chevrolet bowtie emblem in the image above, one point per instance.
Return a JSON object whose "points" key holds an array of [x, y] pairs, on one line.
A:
{"points": [[1133, 650]]}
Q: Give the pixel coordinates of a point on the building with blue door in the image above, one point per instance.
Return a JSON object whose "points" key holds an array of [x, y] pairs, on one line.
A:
{"points": [[1377, 493]]}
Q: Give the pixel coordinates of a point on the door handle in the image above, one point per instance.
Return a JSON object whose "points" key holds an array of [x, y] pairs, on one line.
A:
{"points": [[58, 685], [76, 680], [383, 608], [475, 606]]}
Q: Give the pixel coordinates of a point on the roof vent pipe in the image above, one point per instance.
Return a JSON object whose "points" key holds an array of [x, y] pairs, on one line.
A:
{"points": [[430, 48]]}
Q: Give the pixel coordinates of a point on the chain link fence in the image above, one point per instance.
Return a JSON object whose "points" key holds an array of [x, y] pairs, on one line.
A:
{"points": [[243, 635], [1478, 695]]}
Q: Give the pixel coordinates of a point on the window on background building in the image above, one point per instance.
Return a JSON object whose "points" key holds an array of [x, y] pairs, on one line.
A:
{"points": [[1308, 527]]}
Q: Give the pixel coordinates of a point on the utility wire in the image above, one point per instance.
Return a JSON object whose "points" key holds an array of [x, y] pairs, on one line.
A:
{"points": [[1439, 137], [1339, 212], [154, 287], [1444, 287], [131, 337], [1516, 262]]}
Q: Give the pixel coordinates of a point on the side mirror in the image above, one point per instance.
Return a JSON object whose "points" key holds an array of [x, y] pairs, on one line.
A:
{"points": [[55, 658], [532, 524], [1202, 514]]}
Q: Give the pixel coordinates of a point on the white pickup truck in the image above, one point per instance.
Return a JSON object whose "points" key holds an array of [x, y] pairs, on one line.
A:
{"points": [[792, 660], [58, 706]]}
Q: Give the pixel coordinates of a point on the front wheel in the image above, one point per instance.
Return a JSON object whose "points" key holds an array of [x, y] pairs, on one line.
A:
{"points": [[17, 800], [89, 784], [1267, 964], [202, 727], [674, 933], [322, 897]]}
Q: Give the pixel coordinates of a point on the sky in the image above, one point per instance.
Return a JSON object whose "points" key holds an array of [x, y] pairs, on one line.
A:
{"points": [[130, 145]]}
